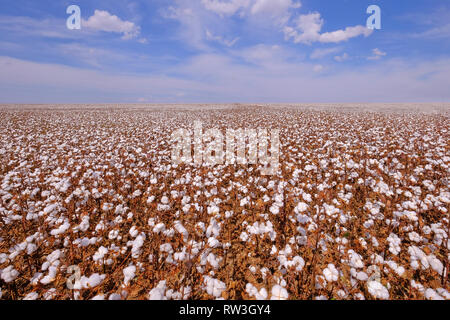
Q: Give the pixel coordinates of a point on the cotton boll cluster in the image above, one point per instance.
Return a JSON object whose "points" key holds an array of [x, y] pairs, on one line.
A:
{"points": [[51, 265], [90, 282], [159, 292], [252, 291], [214, 287], [330, 273], [394, 244], [129, 273], [9, 274], [279, 293], [377, 290]]}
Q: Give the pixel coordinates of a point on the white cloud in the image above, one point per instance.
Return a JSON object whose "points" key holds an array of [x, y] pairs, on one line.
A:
{"points": [[225, 7], [275, 10], [321, 53], [308, 27], [104, 21], [342, 57], [192, 23], [229, 43], [279, 10], [377, 54]]}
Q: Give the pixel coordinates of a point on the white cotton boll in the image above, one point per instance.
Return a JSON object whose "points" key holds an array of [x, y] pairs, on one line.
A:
{"points": [[100, 226], [160, 227], [213, 209], [331, 274], [137, 244], [31, 296], [213, 228], [418, 258], [158, 293], [166, 247], [213, 261], [253, 292], [100, 254], [164, 200], [214, 287], [342, 294], [398, 269], [98, 297], [274, 209], [363, 243], [31, 247], [244, 236], [299, 263], [307, 197], [331, 210], [36, 278], [360, 296], [150, 199], [426, 230], [94, 280], [355, 259], [52, 270], [186, 208], [113, 234], [279, 293], [213, 242], [107, 207], [9, 274], [301, 207], [133, 232], [181, 256], [61, 229], [394, 243], [244, 202], [414, 236], [49, 208], [418, 286], [114, 297], [84, 225], [443, 293], [430, 294], [274, 250], [435, 264], [377, 290], [151, 222], [129, 274], [287, 250], [181, 229], [362, 276], [303, 218], [136, 194]]}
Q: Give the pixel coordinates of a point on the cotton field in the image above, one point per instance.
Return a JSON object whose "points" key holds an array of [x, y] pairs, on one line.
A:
{"points": [[91, 206]]}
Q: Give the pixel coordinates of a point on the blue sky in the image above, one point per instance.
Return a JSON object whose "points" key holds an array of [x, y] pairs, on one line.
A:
{"points": [[170, 51]]}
